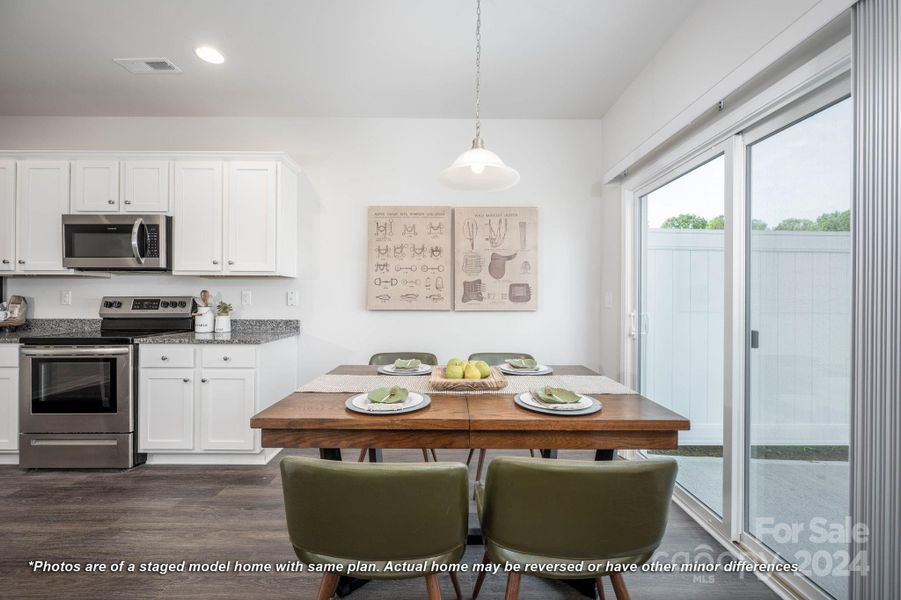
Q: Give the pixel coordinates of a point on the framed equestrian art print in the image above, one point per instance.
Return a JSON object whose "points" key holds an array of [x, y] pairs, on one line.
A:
{"points": [[410, 258], [496, 258]]}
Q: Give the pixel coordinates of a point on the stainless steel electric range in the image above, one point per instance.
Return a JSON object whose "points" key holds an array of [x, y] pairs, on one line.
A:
{"points": [[78, 392]]}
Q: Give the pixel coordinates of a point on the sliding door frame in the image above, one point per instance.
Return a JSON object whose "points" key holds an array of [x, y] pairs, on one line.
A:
{"points": [[785, 103]]}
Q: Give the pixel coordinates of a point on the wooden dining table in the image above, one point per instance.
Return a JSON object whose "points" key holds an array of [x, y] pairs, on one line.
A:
{"points": [[460, 421]]}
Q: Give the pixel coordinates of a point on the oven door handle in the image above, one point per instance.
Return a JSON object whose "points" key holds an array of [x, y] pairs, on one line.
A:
{"points": [[139, 222], [77, 352]]}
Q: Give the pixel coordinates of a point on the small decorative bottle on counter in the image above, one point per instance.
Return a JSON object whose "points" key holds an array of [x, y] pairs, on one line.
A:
{"points": [[204, 318]]}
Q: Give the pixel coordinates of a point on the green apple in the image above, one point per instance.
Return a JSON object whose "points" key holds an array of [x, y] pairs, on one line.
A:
{"points": [[454, 372], [471, 372], [484, 369]]}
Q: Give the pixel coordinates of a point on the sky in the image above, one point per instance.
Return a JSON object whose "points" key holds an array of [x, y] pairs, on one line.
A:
{"points": [[800, 172]]}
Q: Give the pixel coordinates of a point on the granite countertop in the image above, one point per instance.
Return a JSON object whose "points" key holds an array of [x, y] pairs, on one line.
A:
{"points": [[34, 327], [244, 331]]}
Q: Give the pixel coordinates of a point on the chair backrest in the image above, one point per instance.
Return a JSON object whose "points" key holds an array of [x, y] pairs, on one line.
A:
{"points": [[577, 509], [497, 358], [373, 512], [388, 358]]}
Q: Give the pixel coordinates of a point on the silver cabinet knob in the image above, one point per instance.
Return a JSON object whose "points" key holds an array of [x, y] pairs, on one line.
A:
{"points": [[204, 380], [226, 358], [5, 261], [186, 380], [231, 262], [110, 201], [215, 262], [21, 262], [128, 202], [164, 358]]}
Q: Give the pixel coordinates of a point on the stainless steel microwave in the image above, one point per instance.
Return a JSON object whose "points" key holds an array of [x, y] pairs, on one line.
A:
{"points": [[117, 242]]}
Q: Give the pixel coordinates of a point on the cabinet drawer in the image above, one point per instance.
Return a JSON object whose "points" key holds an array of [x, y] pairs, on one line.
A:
{"points": [[166, 356], [228, 356], [9, 355]]}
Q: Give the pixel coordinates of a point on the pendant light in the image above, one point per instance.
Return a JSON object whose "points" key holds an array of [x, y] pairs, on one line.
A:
{"points": [[478, 168]]}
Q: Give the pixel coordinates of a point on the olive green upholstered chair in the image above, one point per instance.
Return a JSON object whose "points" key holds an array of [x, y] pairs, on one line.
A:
{"points": [[341, 513], [547, 512], [494, 359], [388, 358]]}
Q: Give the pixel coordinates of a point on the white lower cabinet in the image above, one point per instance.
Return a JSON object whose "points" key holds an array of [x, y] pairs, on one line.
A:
{"points": [[227, 402], [9, 408], [166, 410]]}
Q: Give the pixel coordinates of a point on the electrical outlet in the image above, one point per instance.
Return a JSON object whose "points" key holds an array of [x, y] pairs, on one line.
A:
{"points": [[292, 298], [608, 299], [246, 297], [65, 297]]}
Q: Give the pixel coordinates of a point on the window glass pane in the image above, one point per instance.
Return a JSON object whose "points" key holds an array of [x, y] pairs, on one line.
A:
{"points": [[799, 360], [681, 321]]}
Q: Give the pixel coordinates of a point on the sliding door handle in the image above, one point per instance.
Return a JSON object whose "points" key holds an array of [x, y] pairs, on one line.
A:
{"points": [[755, 339]]}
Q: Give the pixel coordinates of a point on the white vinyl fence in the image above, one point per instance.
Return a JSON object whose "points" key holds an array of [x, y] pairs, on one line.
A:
{"points": [[800, 294]]}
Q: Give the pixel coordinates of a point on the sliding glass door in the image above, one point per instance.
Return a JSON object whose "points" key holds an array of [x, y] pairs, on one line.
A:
{"points": [[681, 318], [799, 355]]}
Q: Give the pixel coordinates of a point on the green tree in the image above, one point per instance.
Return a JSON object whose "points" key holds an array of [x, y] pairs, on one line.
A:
{"points": [[834, 221], [685, 221], [717, 222], [758, 225], [796, 225]]}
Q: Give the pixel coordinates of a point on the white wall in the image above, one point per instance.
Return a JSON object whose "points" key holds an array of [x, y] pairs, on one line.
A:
{"points": [[717, 40], [353, 163]]}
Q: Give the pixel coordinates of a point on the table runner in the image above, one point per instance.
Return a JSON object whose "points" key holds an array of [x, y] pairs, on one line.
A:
{"points": [[582, 384]]}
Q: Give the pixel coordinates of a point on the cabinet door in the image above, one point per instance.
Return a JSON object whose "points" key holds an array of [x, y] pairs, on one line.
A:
{"points": [[9, 408], [8, 212], [95, 186], [197, 233], [41, 200], [166, 410], [226, 406], [251, 203], [146, 186]]}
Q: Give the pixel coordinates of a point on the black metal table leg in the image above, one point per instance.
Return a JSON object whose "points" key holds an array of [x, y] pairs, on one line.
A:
{"points": [[604, 454], [375, 455], [548, 453], [347, 585]]}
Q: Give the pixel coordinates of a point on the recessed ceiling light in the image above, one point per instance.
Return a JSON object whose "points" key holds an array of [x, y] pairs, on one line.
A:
{"points": [[209, 54]]}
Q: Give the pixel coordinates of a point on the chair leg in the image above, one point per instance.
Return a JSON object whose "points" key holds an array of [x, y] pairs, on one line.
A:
{"points": [[434, 456], [362, 455], [469, 456], [456, 582], [327, 586], [425, 455], [480, 579], [482, 453], [619, 586], [599, 584], [434, 589], [531, 453], [513, 579]]}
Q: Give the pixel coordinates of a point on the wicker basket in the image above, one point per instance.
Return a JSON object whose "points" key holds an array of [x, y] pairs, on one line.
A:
{"points": [[494, 381]]}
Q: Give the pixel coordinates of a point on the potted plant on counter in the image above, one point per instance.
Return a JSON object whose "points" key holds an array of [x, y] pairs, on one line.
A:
{"points": [[223, 317]]}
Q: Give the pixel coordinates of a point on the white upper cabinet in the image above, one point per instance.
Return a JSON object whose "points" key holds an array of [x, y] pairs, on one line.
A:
{"points": [[7, 215], [197, 223], [251, 207], [146, 188], [42, 199], [95, 186]]}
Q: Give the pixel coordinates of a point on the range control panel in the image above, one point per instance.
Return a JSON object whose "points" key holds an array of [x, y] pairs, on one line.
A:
{"points": [[112, 307]]}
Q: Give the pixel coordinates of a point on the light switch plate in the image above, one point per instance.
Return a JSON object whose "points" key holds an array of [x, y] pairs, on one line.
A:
{"points": [[246, 297], [292, 298], [65, 297], [608, 299]]}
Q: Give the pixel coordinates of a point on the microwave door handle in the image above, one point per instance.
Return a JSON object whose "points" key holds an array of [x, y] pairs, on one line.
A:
{"points": [[139, 222]]}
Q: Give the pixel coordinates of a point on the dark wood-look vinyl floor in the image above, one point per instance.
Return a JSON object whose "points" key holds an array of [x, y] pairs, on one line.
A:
{"points": [[204, 514]]}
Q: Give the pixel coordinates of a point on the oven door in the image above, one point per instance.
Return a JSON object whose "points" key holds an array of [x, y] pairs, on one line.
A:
{"points": [[115, 242], [84, 389]]}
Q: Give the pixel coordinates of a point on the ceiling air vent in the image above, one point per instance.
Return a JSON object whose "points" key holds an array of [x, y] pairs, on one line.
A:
{"points": [[147, 65]]}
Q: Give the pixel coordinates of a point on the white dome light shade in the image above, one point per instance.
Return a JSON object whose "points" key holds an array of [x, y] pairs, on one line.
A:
{"points": [[479, 169], [209, 54]]}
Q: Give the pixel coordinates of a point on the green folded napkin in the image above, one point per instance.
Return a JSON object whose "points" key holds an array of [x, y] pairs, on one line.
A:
{"points": [[552, 395], [391, 395], [522, 363], [407, 363]]}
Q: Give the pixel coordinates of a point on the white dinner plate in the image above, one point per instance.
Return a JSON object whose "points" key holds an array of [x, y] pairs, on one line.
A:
{"points": [[361, 403], [392, 370], [538, 370], [585, 406]]}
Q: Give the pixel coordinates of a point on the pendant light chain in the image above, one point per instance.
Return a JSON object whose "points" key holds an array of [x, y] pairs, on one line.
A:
{"points": [[478, 69]]}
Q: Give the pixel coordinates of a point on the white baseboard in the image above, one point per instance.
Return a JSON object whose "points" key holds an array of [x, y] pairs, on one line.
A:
{"points": [[11, 458], [261, 458]]}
